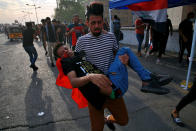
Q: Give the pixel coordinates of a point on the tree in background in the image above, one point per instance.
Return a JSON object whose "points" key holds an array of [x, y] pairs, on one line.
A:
{"points": [[67, 8]]}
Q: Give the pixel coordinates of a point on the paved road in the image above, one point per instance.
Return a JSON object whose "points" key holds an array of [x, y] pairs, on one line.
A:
{"points": [[24, 94]]}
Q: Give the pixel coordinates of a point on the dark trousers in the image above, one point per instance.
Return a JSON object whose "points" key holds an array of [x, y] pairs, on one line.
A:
{"points": [[158, 40], [116, 107], [184, 45], [140, 38], [190, 97], [165, 43], [31, 51], [117, 35]]}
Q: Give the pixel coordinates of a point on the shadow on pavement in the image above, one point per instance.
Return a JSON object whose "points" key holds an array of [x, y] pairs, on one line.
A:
{"points": [[36, 103]]}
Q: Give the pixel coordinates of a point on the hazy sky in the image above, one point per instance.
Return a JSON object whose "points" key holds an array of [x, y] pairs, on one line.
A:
{"points": [[11, 10]]}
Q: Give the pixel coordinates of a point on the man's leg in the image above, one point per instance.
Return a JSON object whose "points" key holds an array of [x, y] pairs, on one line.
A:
{"points": [[96, 118], [135, 64], [50, 48], [181, 51], [29, 52], [118, 110], [35, 55], [190, 97]]}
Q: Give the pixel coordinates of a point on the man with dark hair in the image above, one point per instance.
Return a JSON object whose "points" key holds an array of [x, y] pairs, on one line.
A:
{"points": [[28, 36], [185, 36], [100, 48], [50, 33], [74, 31], [43, 36]]}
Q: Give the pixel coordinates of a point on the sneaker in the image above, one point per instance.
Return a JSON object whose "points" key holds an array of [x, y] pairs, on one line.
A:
{"points": [[109, 123], [153, 87], [162, 79], [176, 118], [34, 67]]}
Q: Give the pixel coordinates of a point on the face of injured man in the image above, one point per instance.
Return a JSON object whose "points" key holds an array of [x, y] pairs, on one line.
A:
{"points": [[64, 52]]}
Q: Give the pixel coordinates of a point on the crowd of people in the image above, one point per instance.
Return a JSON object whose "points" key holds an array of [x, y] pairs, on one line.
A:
{"points": [[102, 77], [157, 36]]}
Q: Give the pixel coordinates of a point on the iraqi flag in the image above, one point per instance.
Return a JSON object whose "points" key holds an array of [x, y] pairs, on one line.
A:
{"points": [[151, 10]]}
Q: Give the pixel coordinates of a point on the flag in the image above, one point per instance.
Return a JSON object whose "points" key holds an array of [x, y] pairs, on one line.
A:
{"points": [[121, 4], [63, 81], [152, 10]]}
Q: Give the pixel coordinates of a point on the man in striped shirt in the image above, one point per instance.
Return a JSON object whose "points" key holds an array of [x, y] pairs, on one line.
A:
{"points": [[100, 48]]}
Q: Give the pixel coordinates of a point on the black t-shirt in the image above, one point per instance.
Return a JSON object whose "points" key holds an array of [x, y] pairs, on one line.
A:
{"points": [[28, 37], [90, 91], [187, 28], [51, 33]]}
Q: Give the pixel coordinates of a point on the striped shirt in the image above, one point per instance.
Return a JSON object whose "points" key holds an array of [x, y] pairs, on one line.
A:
{"points": [[99, 50]]}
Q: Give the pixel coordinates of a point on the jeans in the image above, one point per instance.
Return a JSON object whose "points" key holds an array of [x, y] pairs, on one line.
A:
{"points": [[140, 38], [32, 53], [118, 72]]}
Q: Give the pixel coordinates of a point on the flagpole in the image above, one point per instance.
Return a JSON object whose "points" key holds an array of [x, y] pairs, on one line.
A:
{"points": [[191, 57], [110, 17]]}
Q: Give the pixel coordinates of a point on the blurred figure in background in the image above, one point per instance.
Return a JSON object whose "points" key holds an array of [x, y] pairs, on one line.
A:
{"points": [[185, 36], [139, 29]]}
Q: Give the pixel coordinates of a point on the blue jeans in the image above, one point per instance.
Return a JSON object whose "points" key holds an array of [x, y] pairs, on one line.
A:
{"points": [[140, 38], [32, 53], [118, 72]]}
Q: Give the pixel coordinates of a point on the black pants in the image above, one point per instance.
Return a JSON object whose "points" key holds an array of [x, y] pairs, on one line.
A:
{"points": [[165, 43], [158, 40], [190, 97], [184, 45]]}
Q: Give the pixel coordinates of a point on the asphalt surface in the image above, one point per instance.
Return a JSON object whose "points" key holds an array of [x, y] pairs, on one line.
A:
{"points": [[24, 94]]}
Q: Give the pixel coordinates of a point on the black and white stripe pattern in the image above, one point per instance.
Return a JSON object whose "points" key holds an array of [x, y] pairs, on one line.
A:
{"points": [[98, 50]]}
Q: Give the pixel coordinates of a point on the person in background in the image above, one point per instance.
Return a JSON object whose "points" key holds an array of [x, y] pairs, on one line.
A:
{"points": [[28, 37], [169, 29], [43, 36], [85, 27], [75, 30], [50, 33], [139, 29], [190, 97], [60, 31], [116, 28], [105, 25], [185, 36]]}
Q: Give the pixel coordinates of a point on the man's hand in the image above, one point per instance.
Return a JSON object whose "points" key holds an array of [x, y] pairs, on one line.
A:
{"points": [[184, 39], [124, 59], [100, 80], [72, 30]]}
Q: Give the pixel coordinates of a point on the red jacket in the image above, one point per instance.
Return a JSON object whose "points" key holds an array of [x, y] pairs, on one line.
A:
{"points": [[63, 81]]}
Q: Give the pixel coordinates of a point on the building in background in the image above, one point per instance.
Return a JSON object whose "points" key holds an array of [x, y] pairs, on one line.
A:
{"points": [[127, 18]]}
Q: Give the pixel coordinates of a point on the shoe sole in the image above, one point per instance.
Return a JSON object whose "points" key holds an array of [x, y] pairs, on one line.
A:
{"points": [[165, 82], [160, 92]]}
